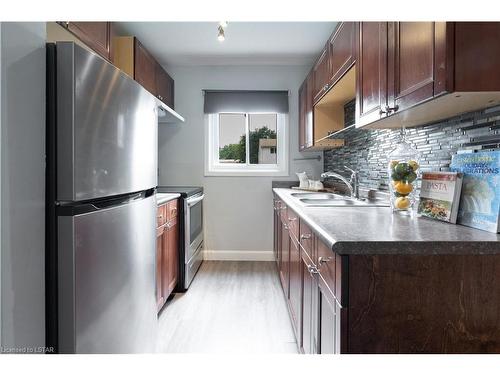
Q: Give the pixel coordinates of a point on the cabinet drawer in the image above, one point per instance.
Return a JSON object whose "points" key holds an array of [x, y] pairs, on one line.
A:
{"points": [[306, 239], [172, 209], [161, 215], [326, 265], [293, 223]]}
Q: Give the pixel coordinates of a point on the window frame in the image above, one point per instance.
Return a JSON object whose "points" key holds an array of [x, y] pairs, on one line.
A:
{"points": [[214, 168]]}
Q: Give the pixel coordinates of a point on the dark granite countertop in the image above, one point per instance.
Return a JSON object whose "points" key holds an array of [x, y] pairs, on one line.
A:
{"points": [[374, 230]]}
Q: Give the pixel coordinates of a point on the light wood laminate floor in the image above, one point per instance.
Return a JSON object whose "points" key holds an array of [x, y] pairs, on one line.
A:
{"points": [[231, 307]]}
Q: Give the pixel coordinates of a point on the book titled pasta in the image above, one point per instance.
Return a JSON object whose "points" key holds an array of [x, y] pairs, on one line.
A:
{"points": [[440, 195], [480, 201]]}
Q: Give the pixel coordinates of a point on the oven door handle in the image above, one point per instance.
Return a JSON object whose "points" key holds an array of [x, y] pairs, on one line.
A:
{"points": [[192, 201]]}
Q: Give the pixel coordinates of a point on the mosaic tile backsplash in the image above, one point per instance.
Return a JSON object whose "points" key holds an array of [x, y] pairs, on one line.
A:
{"points": [[366, 150]]}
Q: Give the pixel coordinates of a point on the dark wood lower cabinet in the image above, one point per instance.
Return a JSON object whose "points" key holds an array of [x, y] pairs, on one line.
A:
{"points": [[159, 267], [310, 313], [167, 253], [329, 320], [295, 294], [387, 303], [285, 259]]}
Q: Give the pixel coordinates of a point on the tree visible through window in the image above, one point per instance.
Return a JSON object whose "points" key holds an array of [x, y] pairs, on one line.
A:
{"points": [[262, 133]]}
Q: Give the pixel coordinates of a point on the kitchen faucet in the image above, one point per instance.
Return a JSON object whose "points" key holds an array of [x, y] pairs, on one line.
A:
{"points": [[352, 184]]}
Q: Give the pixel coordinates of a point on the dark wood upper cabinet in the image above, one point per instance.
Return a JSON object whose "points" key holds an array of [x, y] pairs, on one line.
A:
{"points": [[341, 49], [414, 57], [306, 130], [144, 68], [477, 56], [302, 115], [321, 75], [164, 86], [134, 59], [96, 35], [371, 72]]}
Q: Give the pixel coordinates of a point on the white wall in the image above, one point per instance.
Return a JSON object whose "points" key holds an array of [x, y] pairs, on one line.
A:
{"points": [[22, 184], [238, 210]]}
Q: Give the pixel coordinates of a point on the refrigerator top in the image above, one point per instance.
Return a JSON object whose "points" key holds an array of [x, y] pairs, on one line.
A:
{"points": [[105, 128], [184, 191]]}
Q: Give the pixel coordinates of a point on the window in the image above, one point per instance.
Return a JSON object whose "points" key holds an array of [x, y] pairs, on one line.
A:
{"points": [[246, 143]]}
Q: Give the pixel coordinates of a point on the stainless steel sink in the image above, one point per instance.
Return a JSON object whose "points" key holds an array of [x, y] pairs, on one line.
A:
{"points": [[315, 196], [342, 202]]}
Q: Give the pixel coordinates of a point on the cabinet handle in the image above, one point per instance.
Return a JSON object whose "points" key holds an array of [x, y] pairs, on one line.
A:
{"points": [[322, 260], [305, 236], [292, 218], [312, 269], [325, 87], [392, 109], [388, 110], [174, 211], [160, 216], [285, 226]]}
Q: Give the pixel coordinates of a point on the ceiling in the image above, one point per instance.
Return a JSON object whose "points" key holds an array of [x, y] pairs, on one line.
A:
{"points": [[247, 43]]}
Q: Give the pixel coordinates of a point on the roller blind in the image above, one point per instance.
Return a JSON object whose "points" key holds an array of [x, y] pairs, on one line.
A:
{"points": [[217, 101]]}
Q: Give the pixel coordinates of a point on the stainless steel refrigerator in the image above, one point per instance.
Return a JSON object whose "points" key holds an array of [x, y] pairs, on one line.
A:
{"points": [[101, 209]]}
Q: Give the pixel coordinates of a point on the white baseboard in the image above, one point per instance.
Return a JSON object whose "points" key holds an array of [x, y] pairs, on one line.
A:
{"points": [[243, 255]]}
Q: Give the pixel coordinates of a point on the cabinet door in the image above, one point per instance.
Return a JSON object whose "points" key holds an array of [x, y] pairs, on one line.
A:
{"points": [[321, 75], [295, 295], [97, 35], [371, 72], [285, 258], [172, 248], [411, 63], [164, 86], [276, 233], [159, 268], [302, 115], [309, 124], [329, 321], [144, 68], [341, 51], [309, 307]]}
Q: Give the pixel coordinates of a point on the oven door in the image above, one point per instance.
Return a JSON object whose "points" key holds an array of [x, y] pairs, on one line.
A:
{"points": [[194, 225]]}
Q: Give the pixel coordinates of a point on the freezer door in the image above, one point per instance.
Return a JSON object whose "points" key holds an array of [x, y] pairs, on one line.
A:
{"points": [[106, 128], [106, 280]]}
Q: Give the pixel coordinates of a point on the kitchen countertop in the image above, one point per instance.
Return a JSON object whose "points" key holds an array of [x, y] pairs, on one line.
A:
{"points": [[374, 230], [165, 197]]}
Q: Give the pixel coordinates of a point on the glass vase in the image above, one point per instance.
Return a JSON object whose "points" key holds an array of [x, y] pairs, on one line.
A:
{"points": [[403, 169]]}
